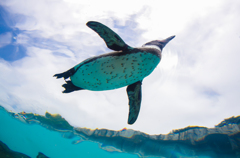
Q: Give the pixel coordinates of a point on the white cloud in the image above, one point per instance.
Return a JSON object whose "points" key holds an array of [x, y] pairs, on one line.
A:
{"points": [[196, 83], [163, 19]]}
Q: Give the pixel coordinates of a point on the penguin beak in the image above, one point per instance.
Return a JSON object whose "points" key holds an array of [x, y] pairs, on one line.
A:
{"points": [[169, 38], [165, 41], [160, 43]]}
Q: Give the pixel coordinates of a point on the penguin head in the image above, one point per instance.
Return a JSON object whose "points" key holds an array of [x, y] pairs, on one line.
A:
{"points": [[159, 43]]}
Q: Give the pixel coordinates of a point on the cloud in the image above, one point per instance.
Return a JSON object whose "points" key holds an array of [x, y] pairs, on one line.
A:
{"points": [[196, 82]]}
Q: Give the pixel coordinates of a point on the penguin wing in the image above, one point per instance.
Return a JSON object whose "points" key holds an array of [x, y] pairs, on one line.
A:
{"points": [[112, 40], [134, 92]]}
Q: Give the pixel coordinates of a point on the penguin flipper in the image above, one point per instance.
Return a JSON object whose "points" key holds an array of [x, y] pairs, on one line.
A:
{"points": [[112, 40], [134, 92], [70, 87], [66, 74]]}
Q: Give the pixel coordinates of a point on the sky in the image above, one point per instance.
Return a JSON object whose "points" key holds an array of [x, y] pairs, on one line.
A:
{"points": [[196, 82]]}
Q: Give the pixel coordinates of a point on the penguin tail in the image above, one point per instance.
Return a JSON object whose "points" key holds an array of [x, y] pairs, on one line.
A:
{"points": [[70, 87], [66, 74]]}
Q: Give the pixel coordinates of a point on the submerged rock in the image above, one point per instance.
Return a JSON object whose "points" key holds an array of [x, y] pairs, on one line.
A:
{"points": [[219, 142], [231, 120], [197, 141], [5, 152], [41, 155], [50, 121]]}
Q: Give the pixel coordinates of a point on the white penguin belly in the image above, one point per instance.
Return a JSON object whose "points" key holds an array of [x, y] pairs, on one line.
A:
{"points": [[111, 72]]}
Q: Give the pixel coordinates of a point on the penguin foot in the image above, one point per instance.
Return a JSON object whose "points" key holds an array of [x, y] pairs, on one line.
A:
{"points": [[70, 87], [66, 74]]}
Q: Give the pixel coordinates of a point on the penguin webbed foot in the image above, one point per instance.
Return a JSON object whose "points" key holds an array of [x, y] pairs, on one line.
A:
{"points": [[70, 87], [58, 75], [65, 74]]}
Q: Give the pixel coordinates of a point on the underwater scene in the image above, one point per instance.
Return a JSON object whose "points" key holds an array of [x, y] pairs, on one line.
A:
{"points": [[25, 135], [119, 79]]}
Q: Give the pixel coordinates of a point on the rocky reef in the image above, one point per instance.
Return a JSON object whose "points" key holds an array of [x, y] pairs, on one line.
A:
{"points": [[219, 142], [5, 152], [216, 142]]}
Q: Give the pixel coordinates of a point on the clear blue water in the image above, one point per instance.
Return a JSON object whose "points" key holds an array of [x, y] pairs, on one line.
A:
{"points": [[33, 138], [51, 135]]}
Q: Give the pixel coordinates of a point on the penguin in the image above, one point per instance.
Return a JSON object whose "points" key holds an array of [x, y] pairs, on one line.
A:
{"points": [[126, 66]]}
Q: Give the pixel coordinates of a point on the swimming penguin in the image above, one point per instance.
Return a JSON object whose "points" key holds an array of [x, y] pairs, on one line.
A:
{"points": [[126, 66]]}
